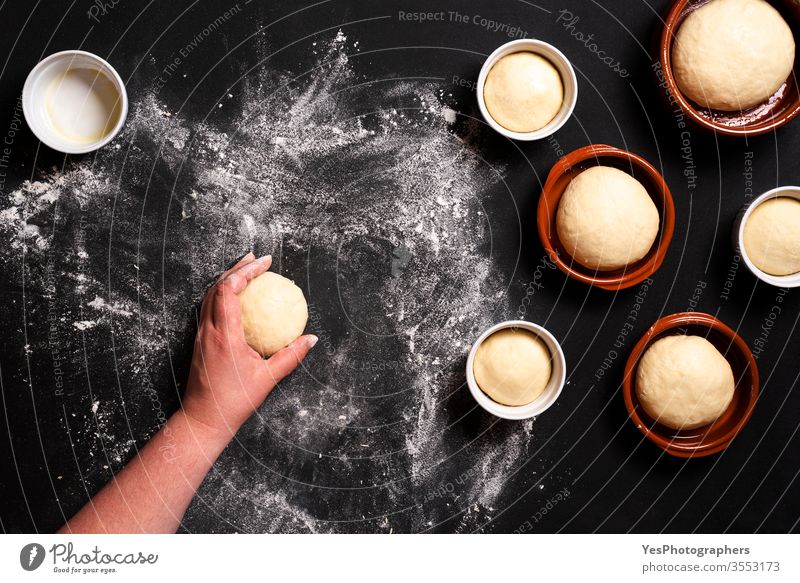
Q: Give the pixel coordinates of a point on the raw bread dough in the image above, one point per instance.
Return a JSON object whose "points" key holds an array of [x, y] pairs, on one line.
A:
{"points": [[605, 219], [274, 312], [523, 92], [512, 366], [772, 236], [732, 55], [684, 382]]}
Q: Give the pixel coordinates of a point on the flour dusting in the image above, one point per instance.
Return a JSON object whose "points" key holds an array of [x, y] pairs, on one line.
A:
{"points": [[369, 196]]}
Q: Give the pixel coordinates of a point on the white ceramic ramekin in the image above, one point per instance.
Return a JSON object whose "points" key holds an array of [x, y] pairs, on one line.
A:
{"points": [[35, 91], [559, 61], [792, 280], [551, 391]]}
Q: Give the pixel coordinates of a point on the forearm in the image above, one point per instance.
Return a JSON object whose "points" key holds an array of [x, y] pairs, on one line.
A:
{"points": [[228, 380], [153, 491]]}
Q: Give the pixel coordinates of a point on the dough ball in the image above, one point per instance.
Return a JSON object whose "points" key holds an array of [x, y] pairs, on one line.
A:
{"points": [[732, 55], [512, 366], [772, 236], [274, 312], [606, 220], [684, 382], [523, 92]]}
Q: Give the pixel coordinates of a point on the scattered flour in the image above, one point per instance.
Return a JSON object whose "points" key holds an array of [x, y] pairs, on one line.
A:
{"points": [[99, 303], [332, 176]]}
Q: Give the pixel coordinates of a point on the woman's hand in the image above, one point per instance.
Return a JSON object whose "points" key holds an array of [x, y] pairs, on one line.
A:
{"points": [[228, 380]]}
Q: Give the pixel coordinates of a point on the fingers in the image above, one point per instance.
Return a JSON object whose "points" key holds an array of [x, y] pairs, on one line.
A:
{"points": [[280, 364], [239, 276], [227, 312], [241, 263], [208, 301]]}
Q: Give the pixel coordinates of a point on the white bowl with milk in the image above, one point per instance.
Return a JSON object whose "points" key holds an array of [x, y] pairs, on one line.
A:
{"points": [[74, 102]]}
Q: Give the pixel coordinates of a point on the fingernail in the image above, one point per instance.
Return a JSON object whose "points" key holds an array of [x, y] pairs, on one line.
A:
{"points": [[249, 254], [312, 340], [233, 278], [265, 258]]}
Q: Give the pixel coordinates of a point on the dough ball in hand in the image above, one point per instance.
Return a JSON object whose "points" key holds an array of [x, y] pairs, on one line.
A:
{"points": [[684, 382], [274, 312], [732, 55], [512, 366], [606, 220]]}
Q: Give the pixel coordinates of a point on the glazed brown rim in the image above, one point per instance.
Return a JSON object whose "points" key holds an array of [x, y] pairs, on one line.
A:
{"points": [[548, 206], [650, 429], [671, 25]]}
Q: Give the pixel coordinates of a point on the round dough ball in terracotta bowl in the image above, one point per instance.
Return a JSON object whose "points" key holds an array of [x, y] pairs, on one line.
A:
{"points": [[605, 217], [729, 64], [684, 382], [606, 220], [690, 384]]}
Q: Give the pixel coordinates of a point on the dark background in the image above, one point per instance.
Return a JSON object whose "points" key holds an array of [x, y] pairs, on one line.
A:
{"points": [[616, 481]]}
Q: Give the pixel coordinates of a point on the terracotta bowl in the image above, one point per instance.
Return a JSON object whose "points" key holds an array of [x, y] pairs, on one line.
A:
{"points": [[780, 109], [560, 176], [709, 439]]}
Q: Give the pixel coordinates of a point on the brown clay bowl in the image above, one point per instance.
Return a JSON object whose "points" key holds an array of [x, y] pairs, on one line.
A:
{"points": [[779, 110], [560, 176], [709, 439]]}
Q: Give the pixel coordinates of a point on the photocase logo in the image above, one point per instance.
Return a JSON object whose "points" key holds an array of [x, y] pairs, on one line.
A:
{"points": [[31, 556]]}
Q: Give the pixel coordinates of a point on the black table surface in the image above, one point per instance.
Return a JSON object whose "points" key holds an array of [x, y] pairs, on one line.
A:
{"points": [[344, 138]]}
